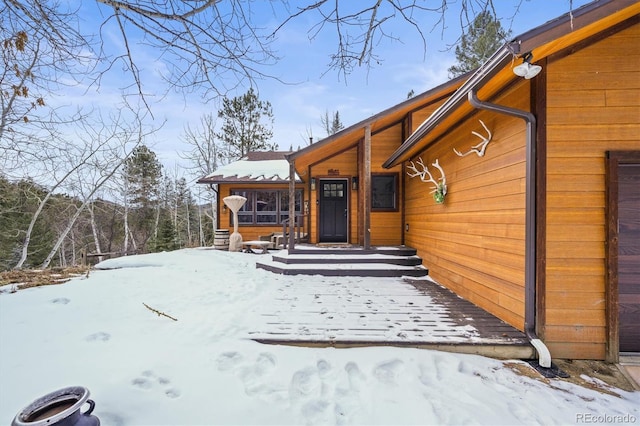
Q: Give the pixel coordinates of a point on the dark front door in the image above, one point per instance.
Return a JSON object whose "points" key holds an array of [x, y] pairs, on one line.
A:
{"points": [[333, 210], [629, 256]]}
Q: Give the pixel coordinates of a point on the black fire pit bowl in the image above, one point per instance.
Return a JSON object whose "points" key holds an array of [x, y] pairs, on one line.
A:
{"points": [[59, 408]]}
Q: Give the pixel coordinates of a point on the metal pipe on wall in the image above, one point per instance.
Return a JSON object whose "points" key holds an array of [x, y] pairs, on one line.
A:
{"points": [[544, 356]]}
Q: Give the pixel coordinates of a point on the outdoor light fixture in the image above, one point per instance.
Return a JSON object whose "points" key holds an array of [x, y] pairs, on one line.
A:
{"points": [[313, 184], [354, 183], [525, 69]]}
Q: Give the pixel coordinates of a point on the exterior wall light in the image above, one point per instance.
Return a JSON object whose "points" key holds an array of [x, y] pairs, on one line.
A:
{"points": [[354, 183], [525, 69], [313, 184]]}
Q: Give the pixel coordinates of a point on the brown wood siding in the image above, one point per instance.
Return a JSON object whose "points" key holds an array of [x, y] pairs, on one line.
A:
{"points": [[474, 242], [386, 227], [593, 101], [248, 232]]}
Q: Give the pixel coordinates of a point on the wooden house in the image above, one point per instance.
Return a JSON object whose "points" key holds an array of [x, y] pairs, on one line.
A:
{"points": [[263, 179], [540, 223], [543, 230]]}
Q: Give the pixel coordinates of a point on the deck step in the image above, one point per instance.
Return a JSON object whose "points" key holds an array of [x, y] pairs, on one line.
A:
{"points": [[391, 251], [348, 258], [352, 262]]}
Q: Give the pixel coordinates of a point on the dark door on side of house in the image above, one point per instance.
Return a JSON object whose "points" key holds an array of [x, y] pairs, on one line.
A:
{"points": [[334, 210], [629, 257]]}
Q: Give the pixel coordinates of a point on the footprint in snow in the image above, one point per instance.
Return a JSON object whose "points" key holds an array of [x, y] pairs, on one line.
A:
{"points": [[172, 393], [356, 378], [316, 412], [388, 372], [426, 376], [348, 400], [148, 380], [324, 368], [60, 301], [265, 363], [254, 376], [305, 384], [142, 383], [98, 337], [228, 361]]}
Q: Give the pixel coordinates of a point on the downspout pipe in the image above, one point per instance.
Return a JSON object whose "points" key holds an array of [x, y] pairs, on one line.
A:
{"points": [[544, 356]]}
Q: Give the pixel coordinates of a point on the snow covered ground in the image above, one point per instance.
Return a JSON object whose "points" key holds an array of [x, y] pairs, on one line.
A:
{"points": [[145, 369]]}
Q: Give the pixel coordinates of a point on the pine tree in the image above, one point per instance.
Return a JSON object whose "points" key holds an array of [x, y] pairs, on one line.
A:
{"points": [[143, 173], [483, 38], [331, 125], [167, 238], [18, 202], [247, 126], [185, 210]]}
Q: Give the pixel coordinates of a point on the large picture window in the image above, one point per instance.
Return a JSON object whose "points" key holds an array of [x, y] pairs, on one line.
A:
{"points": [[384, 192], [268, 207]]}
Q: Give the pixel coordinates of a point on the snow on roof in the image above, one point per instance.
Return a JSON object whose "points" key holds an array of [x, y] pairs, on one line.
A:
{"points": [[252, 169]]}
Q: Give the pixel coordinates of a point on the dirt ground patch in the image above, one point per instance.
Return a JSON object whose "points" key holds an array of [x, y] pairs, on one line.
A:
{"points": [[596, 375], [25, 278]]}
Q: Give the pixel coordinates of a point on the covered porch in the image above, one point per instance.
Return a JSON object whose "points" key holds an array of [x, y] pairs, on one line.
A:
{"points": [[349, 197]]}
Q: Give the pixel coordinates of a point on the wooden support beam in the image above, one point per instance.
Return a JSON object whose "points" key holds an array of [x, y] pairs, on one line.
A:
{"points": [[292, 204], [366, 186]]}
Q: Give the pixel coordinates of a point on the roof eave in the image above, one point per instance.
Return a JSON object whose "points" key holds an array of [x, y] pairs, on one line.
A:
{"points": [[246, 181], [483, 74], [371, 120], [526, 42]]}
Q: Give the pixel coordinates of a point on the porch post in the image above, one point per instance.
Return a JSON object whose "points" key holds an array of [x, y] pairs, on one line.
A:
{"points": [[292, 204], [366, 186]]}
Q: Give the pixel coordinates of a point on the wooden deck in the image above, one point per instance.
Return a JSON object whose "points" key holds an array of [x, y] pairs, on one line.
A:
{"points": [[365, 311]]}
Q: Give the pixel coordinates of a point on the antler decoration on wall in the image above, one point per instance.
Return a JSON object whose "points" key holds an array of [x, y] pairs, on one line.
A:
{"points": [[480, 148], [440, 188]]}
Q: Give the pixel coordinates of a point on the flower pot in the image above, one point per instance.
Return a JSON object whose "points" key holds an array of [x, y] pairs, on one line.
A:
{"points": [[59, 408]]}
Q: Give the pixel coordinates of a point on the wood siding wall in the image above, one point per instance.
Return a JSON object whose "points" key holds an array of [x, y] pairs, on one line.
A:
{"points": [[386, 227], [474, 242], [593, 105]]}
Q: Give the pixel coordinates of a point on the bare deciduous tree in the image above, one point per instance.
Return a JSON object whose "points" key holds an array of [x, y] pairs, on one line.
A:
{"points": [[204, 154], [204, 157], [218, 45], [115, 145]]}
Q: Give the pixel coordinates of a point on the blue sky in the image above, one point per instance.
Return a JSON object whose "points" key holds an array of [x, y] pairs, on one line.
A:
{"points": [[299, 106]]}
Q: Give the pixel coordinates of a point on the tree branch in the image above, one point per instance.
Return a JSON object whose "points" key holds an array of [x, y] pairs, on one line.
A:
{"points": [[158, 312]]}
